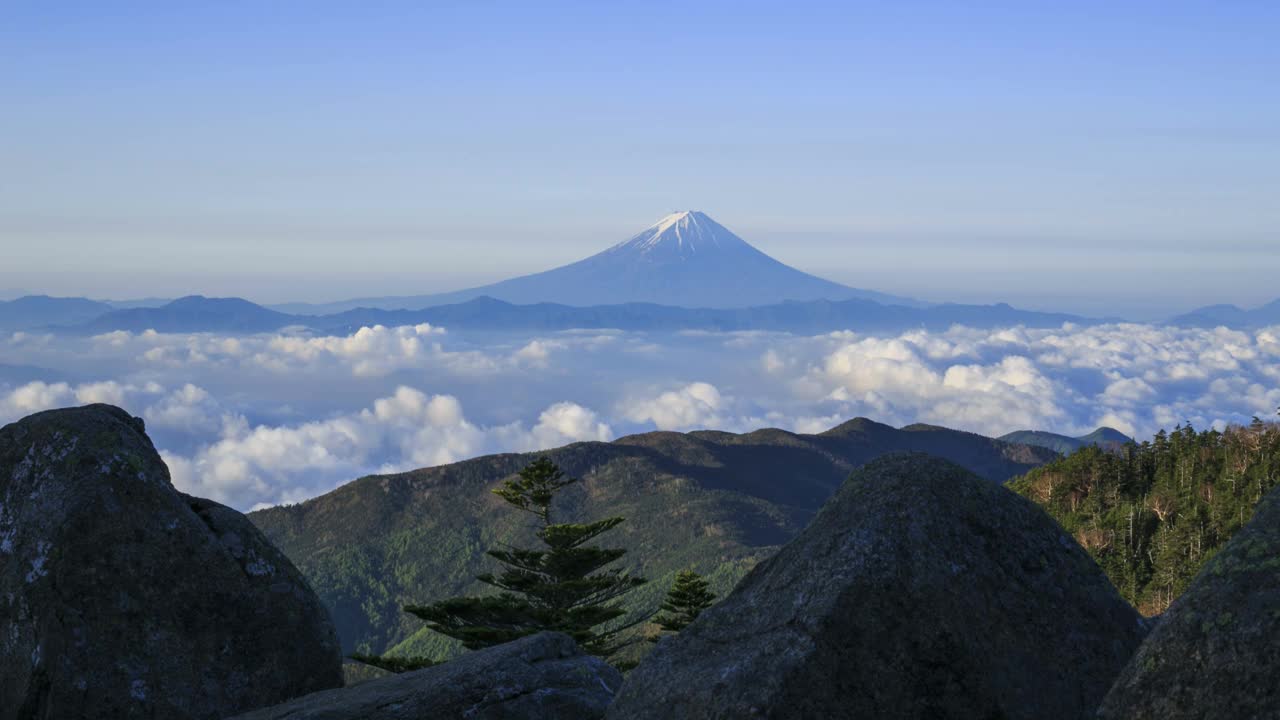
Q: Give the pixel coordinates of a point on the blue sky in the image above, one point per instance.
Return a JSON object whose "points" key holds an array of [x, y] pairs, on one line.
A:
{"points": [[1079, 156]]}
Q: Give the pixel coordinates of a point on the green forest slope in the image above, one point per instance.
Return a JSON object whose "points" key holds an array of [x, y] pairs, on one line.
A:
{"points": [[712, 501]]}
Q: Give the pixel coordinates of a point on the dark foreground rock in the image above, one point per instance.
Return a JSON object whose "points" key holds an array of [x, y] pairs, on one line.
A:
{"points": [[122, 598], [919, 591], [541, 677], [1215, 654]]}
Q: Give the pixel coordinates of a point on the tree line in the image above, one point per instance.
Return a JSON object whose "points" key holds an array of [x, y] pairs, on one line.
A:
{"points": [[1152, 514]]}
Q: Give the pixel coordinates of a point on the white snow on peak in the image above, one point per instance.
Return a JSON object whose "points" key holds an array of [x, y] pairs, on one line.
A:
{"points": [[674, 220], [683, 232]]}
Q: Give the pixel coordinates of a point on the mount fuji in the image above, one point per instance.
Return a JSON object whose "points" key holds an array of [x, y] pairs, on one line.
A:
{"points": [[685, 259]]}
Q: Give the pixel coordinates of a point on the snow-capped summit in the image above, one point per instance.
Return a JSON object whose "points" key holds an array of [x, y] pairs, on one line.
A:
{"points": [[685, 259], [681, 234]]}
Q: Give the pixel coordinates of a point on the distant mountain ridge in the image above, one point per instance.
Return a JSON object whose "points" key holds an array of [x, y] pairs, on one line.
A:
{"points": [[39, 312], [1231, 316], [1104, 437], [234, 315], [816, 316], [33, 311], [194, 313], [686, 259], [714, 501]]}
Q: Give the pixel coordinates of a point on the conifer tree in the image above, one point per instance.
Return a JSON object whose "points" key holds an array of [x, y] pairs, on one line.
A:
{"points": [[560, 586], [686, 600]]}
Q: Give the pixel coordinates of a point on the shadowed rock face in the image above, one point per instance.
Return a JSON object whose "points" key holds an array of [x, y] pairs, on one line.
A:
{"points": [[121, 597], [919, 591], [1215, 653], [541, 677]]}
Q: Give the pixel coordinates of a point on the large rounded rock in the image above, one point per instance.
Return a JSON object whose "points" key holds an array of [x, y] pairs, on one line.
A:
{"points": [[919, 591], [1215, 653], [122, 598], [540, 677]]}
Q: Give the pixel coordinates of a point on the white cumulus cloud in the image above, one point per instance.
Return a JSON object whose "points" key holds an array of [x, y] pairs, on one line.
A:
{"points": [[696, 405], [252, 465], [278, 417]]}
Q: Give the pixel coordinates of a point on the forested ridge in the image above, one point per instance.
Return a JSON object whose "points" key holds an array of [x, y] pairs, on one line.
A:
{"points": [[713, 502], [1152, 514]]}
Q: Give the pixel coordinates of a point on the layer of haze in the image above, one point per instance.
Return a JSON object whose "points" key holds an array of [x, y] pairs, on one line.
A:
{"points": [[1091, 157]]}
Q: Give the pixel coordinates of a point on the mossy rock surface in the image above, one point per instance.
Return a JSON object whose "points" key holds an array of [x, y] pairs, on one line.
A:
{"points": [[919, 591], [121, 597], [1215, 654]]}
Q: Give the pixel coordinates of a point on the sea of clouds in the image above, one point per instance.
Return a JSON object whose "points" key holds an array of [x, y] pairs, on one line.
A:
{"points": [[265, 419]]}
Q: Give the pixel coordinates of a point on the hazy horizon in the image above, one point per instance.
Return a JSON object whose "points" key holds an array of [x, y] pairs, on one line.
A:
{"points": [[982, 279]]}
